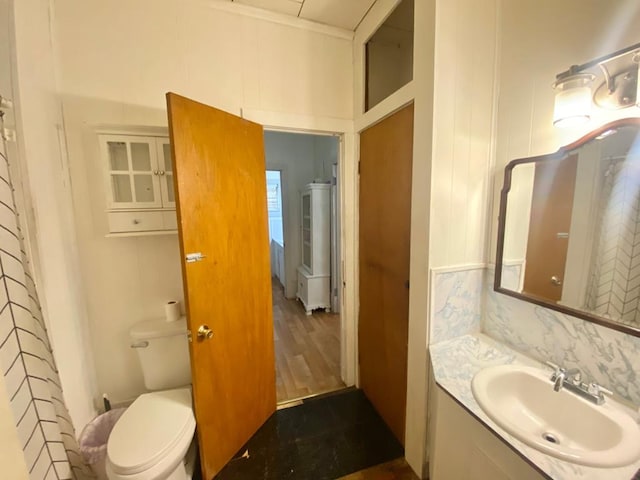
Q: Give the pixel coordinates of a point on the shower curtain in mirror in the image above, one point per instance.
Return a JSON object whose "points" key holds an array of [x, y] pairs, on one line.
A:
{"points": [[613, 289], [33, 386]]}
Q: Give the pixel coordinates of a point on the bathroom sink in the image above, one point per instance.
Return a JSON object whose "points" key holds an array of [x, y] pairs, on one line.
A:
{"points": [[522, 401]]}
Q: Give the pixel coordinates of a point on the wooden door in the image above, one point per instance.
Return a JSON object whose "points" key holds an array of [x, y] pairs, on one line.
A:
{"points": [[222, 213], [386, 154], [551, 206]]}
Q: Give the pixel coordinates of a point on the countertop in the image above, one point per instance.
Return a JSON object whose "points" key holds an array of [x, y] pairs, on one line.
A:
{"points": [[456, 361]]}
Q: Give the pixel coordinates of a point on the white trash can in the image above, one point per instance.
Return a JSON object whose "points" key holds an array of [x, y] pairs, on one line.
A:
{"points": [[93, 440]]}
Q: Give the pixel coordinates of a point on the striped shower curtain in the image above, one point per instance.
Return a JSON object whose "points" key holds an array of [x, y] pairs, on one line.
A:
{"points": [[26, 358], [613, 289]]}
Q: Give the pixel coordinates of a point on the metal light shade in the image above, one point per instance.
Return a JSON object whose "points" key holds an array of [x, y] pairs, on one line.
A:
{"points": [[573, 100]]}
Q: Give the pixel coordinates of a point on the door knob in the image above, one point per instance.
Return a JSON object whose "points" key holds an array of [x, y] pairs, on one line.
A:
{"points": [[204, 332], [555, 280]]}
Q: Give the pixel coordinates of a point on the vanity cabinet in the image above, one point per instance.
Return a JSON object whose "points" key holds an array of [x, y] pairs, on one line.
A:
{"points": [[455, 434], [314, 273], [138, 183]]}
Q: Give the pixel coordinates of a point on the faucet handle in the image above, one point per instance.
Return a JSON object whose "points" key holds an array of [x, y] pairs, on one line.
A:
{"points": [[595, 389]]}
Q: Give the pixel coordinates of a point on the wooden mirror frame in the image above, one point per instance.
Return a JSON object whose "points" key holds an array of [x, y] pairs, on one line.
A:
{"points": [[561, 153]]}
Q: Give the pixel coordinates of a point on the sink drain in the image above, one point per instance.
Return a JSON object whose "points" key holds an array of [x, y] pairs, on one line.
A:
{"points": [[550, 437]]}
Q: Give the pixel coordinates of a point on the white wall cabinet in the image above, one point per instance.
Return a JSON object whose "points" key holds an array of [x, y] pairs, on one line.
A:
{"points": [[139, 184], [314, 274]]}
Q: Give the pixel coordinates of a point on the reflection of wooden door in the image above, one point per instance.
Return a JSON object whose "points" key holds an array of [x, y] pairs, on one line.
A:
{"points": [[386, 154], [222, 213], [551, 207]]}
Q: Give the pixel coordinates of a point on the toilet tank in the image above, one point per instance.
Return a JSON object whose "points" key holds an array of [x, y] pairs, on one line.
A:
{"points": [[163, 351]]}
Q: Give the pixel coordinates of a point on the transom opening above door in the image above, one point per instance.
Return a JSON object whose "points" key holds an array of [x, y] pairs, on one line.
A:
{"points": [[389, 55]]}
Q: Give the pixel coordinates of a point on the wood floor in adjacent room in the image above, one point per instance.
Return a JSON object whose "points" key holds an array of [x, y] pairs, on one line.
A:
{"points": [[307, 349]]}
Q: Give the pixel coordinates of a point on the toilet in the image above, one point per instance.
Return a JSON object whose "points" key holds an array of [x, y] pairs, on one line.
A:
{"points": [[154, 438]]}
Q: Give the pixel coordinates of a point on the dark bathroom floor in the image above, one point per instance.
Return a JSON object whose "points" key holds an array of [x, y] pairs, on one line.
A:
{"points": [[325, 438]]}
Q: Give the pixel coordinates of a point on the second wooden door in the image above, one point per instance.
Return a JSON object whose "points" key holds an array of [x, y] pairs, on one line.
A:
{"points": [[386, 154], [553, 188]]}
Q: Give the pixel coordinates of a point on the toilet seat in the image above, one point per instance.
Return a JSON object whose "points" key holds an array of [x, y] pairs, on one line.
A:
{"points": [[153, 433]]}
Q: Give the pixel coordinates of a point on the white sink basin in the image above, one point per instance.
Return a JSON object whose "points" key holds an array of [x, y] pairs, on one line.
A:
{"points": [[521, 400]]}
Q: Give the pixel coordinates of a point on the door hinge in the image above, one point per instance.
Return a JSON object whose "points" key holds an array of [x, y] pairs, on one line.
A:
{"points": [[358, 167]]}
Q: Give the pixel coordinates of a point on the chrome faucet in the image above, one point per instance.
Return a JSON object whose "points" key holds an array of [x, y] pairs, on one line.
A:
{"points": [[561, 375], [572, 380], [557, 378]]}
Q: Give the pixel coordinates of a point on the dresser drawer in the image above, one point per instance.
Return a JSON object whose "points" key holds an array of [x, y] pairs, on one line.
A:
{"points": [[170, 220], [135, 221]]}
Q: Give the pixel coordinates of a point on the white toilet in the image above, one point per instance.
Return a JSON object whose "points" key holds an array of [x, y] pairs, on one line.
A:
{"points": [[153, 440]]}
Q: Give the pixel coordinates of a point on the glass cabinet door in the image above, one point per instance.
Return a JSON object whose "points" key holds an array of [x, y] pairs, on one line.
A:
{"points": [[165, 167], [132, 171], [306, 231]]}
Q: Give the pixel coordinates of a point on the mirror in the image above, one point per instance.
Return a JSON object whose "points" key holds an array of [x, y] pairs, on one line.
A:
{"points": [[569, 228]]}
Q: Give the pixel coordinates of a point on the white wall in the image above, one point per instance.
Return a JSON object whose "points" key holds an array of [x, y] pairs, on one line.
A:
{"points": [[301, 159], [117, 61], [463, 127], [554, 35], [326, 153], [47, 203]]}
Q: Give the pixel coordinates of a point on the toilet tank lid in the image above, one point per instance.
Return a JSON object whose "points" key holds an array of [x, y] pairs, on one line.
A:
{"points": [[157, 328]]}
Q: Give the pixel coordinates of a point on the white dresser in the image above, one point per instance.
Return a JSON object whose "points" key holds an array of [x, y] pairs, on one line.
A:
{"points": [[314, 274]]}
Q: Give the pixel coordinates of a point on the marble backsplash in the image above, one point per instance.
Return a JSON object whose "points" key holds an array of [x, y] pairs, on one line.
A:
{"points": [[463, 302], [457, 299]]}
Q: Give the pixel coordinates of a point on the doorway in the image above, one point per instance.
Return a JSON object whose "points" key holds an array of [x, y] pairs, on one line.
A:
{"points": [[303, 239]]}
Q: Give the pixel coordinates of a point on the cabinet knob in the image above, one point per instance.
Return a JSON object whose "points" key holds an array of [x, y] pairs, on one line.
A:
{"points": [[136, 221], [161, 172]]}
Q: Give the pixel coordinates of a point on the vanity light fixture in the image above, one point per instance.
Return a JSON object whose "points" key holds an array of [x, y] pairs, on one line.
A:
{"points": [[619, 88], [573, 100]]}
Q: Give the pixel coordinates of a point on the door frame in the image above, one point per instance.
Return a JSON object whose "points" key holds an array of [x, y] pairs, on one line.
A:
{"points": [[348, 204]]}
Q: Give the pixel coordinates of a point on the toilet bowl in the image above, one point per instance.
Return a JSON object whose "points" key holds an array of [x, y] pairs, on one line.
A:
{"points": [[152, 439]]}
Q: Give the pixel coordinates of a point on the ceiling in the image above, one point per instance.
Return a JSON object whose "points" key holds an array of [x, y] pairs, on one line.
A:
{"points": [[338, 13]]}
